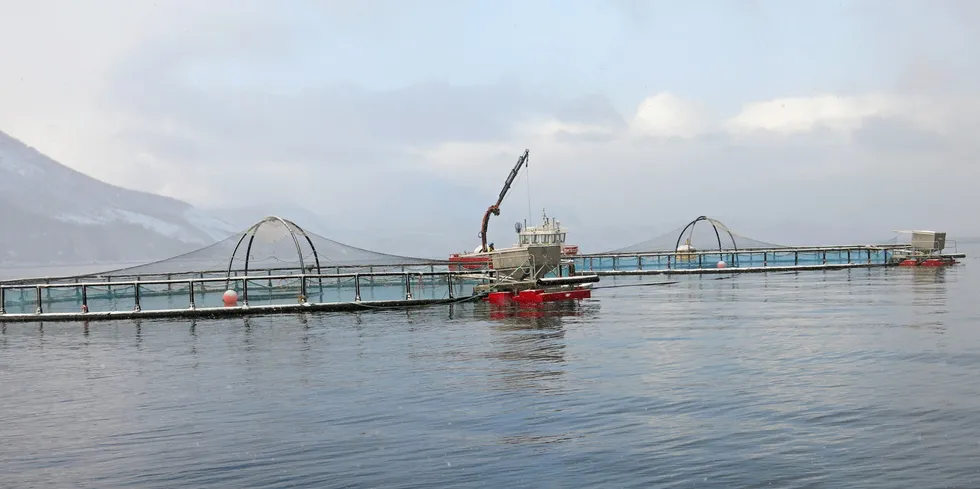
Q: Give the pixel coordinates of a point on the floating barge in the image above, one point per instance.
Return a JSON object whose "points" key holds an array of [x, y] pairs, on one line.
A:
{"points": [[521, 278]]}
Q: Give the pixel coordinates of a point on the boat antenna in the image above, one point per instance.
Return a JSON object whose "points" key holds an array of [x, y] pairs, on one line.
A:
{"points": [[527, 175]]}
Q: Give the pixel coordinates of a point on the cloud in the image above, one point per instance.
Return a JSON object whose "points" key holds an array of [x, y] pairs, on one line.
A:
{"points": [[804, 114], [668, 115]]}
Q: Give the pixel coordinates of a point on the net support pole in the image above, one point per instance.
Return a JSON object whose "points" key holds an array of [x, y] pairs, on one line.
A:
{"points": [[190, 288], [231, 260], [357, 287], [37, 300], [3, 299], [136, 297]]}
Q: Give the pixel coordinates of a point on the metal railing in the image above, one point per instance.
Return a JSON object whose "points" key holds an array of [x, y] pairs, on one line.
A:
{"points": [[210, 273], [764, 257], [451, 278]]}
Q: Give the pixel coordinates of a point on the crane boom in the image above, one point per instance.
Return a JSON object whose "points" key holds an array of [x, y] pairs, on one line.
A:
{"points": [[495, 208]]}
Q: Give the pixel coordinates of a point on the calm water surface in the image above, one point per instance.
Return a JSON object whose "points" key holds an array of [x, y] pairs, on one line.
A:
{"points": [[862, 378]]}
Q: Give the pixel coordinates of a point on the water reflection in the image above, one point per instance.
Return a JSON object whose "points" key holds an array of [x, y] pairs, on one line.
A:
{"points": [[528, 345], [194, 340], [929, 293], [139, 334]]}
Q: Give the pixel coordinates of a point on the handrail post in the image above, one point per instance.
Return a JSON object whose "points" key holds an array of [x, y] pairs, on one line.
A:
{"points": [[302, 286], [84, 298], [357, 287], [37, 298], [245, 291], [136, 296], [449, 282], [408, 287], [190, 287], [3, 299]]}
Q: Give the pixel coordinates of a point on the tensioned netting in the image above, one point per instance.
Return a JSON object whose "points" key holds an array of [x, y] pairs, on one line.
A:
{"points": [[701, 234], [277, 245], [284, 264]]}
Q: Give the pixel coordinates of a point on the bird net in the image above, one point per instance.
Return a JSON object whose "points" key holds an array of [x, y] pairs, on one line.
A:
{"points": [[701, 234], [273, 262], [273, 245]]}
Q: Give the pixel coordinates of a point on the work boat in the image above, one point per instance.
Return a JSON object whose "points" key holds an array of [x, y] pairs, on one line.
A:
{"points": [[520, 272], [549, 232]]}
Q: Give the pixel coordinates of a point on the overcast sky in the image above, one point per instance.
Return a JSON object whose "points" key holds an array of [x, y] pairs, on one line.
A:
{"points": [[790, 121]]}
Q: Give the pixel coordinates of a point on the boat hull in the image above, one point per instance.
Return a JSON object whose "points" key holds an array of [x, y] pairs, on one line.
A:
{"points": [[927, 262], [538, 296]]}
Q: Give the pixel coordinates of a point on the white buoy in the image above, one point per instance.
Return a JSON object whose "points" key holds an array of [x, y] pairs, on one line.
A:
{"points": [[721, 264], [230, 298]]}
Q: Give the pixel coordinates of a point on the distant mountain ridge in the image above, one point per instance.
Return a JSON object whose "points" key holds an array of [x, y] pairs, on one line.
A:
{"points": [[52, 214]]}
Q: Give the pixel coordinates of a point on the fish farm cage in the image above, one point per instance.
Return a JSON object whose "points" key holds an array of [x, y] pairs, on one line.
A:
{"points": [[276, 266], [273, 263], [706, 245]]}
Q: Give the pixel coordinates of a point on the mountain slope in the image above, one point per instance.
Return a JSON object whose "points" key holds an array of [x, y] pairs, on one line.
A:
{"points": [[51, 214]]}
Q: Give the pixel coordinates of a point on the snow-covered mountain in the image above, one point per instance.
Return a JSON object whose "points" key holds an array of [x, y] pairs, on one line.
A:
{"points": [[51, 214]]}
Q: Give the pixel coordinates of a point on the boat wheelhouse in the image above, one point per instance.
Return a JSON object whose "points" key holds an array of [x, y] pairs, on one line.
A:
{"points": [[549, 232]]}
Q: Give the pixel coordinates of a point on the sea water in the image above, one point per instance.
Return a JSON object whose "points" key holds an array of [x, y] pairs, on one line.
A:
{"points": [[860, 378]]}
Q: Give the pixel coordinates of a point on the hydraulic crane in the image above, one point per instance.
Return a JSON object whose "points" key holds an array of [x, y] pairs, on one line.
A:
{"points": [[495, 208]]}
